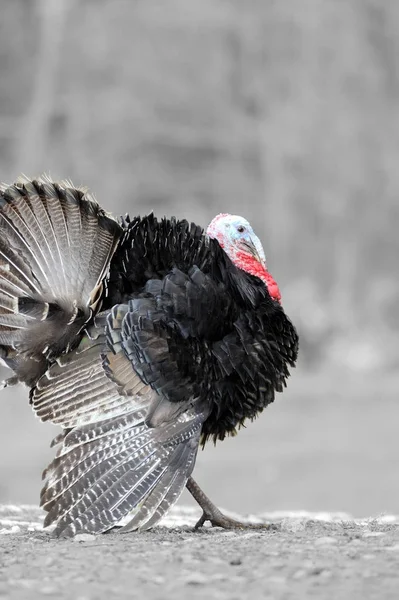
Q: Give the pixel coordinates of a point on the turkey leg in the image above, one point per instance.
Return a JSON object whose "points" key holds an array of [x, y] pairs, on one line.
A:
{"points": [[213, 514]]}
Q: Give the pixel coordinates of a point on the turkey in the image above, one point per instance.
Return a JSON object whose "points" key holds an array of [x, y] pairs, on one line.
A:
{"points": [[141, 338]]}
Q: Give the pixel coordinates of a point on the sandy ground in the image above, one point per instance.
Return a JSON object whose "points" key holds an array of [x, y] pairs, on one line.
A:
{"points": [[312, 556]]}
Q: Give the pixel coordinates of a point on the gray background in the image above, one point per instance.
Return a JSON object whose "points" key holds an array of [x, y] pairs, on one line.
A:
{"points": [[283, 111]]}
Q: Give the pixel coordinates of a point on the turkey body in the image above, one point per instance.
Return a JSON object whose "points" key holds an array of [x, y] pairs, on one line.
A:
{"points": [[140, 338]]}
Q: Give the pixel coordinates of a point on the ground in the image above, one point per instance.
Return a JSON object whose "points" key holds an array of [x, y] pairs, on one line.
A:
{"points": [[329, 444], [300, 557]]}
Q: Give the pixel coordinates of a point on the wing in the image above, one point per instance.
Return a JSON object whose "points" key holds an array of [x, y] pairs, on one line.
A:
{"points": [[187, 334], [167, 331], [118, 466], [56, 244], [126, 449], [78, 390]]}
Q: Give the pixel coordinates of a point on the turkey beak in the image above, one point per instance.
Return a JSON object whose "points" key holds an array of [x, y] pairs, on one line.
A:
{"points": [[254, 247]]}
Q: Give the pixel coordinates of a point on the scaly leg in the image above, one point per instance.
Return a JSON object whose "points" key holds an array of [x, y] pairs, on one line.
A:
{"points": [[213, 514]]}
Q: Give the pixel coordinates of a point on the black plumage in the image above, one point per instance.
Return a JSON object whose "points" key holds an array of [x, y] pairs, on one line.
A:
{"points": [[141, 338]]}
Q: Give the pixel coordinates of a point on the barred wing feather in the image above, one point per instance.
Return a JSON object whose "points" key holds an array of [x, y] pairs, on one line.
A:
{"points": [[109, 469]]}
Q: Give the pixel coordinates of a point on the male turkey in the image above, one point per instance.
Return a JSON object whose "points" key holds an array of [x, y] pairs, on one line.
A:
{"points": [[142, 339]]}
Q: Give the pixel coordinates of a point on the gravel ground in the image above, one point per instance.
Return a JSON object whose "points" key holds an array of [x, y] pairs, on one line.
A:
{"points": [[301, 556], [330, 443]]}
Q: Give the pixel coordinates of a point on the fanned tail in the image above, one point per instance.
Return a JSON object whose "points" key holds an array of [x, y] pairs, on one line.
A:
{"points": [[56, 244]]}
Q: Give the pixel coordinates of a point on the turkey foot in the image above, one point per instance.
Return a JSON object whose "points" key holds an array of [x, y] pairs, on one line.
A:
{"points": [[212, 514]]}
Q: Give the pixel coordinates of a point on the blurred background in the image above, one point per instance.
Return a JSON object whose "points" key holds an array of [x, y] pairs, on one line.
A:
{"points": [[283, 111]]}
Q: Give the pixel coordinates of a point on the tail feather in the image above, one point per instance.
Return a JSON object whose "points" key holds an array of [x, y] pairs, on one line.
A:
{"points": [[8, 303], [10, 284], [39, 248], [11, 261], [56, 244], [8, 338], [27, 219]]}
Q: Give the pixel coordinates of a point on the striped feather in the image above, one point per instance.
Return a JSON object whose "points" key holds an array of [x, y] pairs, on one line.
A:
{"points": [[166, 492], [56, 244], [76, 389], [90, 459], [172, 493], [106, 470]]}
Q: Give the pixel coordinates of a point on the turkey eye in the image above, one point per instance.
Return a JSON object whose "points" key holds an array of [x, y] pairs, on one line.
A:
{"points": [[241, 229]]}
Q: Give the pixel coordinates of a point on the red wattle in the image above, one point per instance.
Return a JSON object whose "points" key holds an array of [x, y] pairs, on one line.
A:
{"points": [[272, 287], [254, 267]]}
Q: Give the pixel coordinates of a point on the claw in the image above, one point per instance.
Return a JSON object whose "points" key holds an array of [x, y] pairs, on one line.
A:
{"points": [[218, 519], [212, 514]]}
